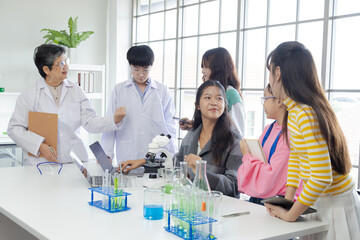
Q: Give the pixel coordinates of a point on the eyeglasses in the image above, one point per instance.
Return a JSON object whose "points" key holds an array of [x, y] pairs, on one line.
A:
{"points": [[137, 70], [263, 99], [63, 63], [50, 165]]}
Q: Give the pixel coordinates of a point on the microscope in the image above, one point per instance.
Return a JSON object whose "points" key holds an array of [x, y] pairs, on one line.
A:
{"points": [[153, 164]]}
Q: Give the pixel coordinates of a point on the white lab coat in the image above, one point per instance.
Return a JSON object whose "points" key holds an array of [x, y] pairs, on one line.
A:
{"points": [[143, 121], [74, 111]]}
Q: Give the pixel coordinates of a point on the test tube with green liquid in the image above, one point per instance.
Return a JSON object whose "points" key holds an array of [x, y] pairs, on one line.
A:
{"points": [[116, 189]]}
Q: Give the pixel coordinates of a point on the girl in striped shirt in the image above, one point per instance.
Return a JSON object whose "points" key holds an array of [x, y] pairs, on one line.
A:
{"points": [[318, 150]]}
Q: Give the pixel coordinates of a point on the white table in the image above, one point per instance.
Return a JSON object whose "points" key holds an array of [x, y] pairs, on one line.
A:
{"points": [[5, 143], [56, 207]]}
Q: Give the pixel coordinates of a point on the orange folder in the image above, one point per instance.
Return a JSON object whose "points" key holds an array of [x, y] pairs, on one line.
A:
{"points": [[45, 125]]}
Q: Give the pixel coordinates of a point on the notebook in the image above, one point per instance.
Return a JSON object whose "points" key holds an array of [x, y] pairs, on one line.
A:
{"points": [[256, 149]]}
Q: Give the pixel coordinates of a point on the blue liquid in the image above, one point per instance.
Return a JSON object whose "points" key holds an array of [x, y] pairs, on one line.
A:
{"points": [[153, 212]]}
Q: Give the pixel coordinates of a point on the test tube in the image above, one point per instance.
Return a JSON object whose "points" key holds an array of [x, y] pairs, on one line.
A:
{"points": [[105, 188], [204, 229], [116, 190], [121, 190]]}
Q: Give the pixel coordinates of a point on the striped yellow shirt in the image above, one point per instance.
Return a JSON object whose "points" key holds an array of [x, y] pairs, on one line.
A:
{"points": [[309, 157]]}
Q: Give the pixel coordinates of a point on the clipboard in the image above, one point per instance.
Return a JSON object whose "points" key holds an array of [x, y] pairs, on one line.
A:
{"points": [[45, 125], [256, 149]]}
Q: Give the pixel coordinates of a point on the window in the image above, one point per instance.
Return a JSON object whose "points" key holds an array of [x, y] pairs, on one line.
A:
{"points": [[180, 31]]}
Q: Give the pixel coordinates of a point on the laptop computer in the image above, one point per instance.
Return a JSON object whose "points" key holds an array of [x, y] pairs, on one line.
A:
{"points": [[105, 163], [102, 158], [94, 181]]}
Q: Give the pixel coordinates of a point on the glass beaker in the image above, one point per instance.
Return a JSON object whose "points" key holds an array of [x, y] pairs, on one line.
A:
{"points": [[200, 181], [215, 205], [153, 203]]}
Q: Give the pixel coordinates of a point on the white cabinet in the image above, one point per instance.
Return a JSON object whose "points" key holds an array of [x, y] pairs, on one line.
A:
{"points": [[99, 83]]}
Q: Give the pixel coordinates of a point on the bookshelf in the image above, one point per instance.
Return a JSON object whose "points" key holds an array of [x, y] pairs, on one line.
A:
{"points": [[99, 86]]}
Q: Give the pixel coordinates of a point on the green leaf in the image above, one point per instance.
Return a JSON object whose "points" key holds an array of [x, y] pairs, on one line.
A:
{"points": [[84, 35], [70, 39]]}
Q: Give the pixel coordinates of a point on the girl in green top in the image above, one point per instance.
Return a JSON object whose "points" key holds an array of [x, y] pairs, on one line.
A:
{"points": [[217, 64]]}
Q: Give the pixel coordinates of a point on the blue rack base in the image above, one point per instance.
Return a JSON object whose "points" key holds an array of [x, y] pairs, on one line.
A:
{"points": [[98, 204], [180, 233], [114, 201], [189, 226]]}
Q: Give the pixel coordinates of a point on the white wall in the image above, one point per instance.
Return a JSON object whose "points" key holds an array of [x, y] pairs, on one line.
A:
{"points": [[20, 25], [119, 41]]}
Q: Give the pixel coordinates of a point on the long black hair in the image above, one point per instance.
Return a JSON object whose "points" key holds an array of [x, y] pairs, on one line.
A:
{"points": [[222, 136], [222, 67], [300, 81]]}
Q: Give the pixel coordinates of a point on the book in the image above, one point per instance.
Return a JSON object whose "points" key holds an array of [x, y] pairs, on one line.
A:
{"points": [[86, 82], [45, 125], [256, 149], [91, 82]]}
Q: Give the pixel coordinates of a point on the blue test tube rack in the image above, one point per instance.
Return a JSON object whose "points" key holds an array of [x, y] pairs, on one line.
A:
{"points": [[111, 198], [192, 220]]}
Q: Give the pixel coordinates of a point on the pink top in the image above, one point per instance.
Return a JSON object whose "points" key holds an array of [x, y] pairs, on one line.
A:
{"points": [[263, 180]]}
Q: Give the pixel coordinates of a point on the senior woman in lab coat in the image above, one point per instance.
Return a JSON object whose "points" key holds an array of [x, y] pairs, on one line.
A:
{"points": [[53, 93]]}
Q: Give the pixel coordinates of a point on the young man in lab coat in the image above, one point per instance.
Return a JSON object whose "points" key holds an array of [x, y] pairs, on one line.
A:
{"points": [[147, 106]]}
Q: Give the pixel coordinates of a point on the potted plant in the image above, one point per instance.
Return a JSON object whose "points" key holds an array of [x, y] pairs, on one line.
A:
{"points": [[69, 39]]}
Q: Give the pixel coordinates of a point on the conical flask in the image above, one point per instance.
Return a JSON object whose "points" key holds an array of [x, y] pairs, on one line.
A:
{"points": [[183, 181], [200, 181]]}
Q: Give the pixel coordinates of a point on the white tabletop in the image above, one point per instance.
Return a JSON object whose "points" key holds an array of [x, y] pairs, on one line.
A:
{"points": [[5, 140], [54, 206]]}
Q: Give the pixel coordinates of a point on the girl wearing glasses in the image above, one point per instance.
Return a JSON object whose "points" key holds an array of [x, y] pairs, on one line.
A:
{"points": [[256, 178], [53, 93], [319, 154]]}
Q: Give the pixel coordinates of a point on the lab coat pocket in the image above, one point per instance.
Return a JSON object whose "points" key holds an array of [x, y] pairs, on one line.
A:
{"points": [[74, 113]]}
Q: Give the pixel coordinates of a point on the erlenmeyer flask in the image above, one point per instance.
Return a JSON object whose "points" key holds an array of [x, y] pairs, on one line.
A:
{"points": [[183, 181], [200, 181]]}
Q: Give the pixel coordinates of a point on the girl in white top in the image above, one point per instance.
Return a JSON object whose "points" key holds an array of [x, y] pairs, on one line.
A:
{"points": [[217, 64]]}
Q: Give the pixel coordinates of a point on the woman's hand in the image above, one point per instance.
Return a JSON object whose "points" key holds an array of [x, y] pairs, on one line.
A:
{"points": [[191, 159], [129, 165], [48, 152], [276, 211], [244, 147], [287, 215], [119, 115], [185, 124]]}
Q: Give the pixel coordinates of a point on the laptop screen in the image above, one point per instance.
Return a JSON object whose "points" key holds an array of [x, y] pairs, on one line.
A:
{"points": [[101, 157]]}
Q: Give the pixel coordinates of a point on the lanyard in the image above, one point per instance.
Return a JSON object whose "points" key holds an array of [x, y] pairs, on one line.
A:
{"points": [[273, 147]]}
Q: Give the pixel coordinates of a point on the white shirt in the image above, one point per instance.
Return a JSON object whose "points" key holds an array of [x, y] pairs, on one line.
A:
{"points": [[237, 113], [143, 121], [74, 111]]}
